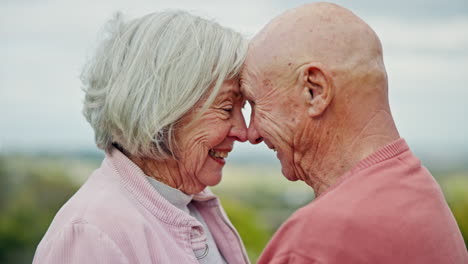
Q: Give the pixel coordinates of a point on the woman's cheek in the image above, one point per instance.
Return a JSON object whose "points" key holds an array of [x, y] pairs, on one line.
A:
{"points": [[194, 158], [222, 132]]}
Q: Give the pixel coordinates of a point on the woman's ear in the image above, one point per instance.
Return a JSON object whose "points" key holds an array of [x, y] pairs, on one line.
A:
{"points": [[318, 90]]}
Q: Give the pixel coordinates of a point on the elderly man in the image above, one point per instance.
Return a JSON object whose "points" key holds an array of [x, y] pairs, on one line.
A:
{"points": [[317, 84]]}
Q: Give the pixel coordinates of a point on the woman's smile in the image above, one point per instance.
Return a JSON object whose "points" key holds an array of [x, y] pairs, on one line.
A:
{"points": [[219, 155]]}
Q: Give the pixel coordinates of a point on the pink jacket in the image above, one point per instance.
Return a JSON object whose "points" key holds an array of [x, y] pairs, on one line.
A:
{"points": [[118, 217]]}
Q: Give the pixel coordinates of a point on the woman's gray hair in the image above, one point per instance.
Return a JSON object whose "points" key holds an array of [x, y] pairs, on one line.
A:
{"points": [[148, 72]]}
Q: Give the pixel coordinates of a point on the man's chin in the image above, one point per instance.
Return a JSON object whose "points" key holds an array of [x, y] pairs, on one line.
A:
{"points": [[288, 174]]}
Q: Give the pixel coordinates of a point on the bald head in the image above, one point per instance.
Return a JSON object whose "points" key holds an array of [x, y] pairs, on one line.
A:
{"points": [[322, 33]]}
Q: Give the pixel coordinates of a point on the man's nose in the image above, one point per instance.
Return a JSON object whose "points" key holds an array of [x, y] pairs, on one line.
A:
{"points": [[253, 135]]}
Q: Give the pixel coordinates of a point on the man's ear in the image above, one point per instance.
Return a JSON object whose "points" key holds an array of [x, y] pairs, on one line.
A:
{"points": [[318, 89]]}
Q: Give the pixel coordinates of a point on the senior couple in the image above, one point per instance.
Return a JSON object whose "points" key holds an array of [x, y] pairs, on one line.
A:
{"points": [[164, 95]]}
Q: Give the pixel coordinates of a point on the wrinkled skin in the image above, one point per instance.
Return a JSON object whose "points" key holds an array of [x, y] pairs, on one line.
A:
{"points": [[216, 129], [318, 88]]}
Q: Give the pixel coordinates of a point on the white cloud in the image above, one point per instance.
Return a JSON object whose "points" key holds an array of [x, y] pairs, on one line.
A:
{"points": [[44, 44], [442, 35]]}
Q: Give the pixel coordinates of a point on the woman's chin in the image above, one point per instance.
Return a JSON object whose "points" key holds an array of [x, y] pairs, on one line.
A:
{"points": [[211, 179], [211, 173]]}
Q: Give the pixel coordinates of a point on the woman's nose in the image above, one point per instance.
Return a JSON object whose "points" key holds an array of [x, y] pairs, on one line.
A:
{"points": [[252, 133], [239, 128]]}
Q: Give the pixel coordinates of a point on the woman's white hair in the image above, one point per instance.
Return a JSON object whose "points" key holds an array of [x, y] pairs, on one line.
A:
{"points": [[148, 72]]}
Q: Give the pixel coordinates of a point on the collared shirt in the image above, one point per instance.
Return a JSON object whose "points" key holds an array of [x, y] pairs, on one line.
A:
{"points": [[208, 255]]}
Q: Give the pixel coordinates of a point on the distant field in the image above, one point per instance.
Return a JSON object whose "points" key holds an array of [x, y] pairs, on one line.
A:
{"points": [[256, 197]]}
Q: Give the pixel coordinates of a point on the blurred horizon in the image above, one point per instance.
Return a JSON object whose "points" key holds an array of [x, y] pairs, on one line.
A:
{"points": [[442, 158]]}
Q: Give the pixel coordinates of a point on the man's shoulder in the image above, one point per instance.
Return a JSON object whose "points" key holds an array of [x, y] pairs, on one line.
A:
{"points": [[311, 235], [308, 225], [350, 224]]}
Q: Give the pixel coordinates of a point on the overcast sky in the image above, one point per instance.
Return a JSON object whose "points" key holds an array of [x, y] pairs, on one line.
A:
{"points": [[45, 43]]}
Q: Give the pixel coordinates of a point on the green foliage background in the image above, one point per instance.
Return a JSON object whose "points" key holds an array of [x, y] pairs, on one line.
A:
{"points": [[257, 199]]}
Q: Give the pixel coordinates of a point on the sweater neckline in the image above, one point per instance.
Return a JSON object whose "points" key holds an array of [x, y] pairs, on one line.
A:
{"points": [[388, 151], [174, 196]]}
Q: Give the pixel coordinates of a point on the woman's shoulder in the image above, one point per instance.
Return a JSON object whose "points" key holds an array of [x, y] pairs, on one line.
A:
{"points": [[102, 203], [101, 212], [78, 242]]}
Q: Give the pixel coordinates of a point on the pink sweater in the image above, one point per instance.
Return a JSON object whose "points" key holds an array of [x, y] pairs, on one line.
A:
{"points": [[118, 217], [387, 209]]}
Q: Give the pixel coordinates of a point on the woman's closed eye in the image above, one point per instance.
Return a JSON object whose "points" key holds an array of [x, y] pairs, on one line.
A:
{"points": [[227, 109], [227, 106]]}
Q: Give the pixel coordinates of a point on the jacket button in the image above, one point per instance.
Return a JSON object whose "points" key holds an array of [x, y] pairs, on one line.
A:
{"points": [[204, 253]]}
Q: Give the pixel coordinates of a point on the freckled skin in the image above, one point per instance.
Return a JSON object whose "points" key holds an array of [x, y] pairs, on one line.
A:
{"points": [[317, 84], [215, 129]]}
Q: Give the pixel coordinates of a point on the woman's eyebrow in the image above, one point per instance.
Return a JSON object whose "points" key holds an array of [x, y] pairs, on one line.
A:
{"points": [[235, 94]]}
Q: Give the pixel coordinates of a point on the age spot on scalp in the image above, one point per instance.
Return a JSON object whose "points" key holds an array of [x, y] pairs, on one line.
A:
{"points": [[266, 83]]}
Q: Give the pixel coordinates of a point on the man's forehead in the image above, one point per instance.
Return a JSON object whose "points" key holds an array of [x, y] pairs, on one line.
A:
{"points": [[258, 64], [247, 81], [245, 90]]}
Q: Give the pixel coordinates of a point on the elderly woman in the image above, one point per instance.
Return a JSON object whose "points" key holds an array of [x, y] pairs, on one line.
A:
{"points": [[162, 96]]}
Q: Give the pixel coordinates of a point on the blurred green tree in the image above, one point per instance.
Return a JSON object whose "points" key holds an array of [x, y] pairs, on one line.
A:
{"points": [[31, 197], [455, 189], [249, 224]]}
